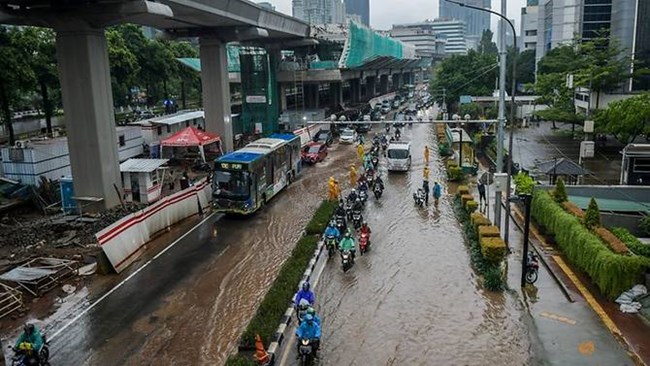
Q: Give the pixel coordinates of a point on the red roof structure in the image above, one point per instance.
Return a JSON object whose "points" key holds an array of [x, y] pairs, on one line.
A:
{"points": [[190, 136]]}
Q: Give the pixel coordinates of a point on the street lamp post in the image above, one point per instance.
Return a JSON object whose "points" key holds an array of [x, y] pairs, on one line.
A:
{"points": [[497, 208]]}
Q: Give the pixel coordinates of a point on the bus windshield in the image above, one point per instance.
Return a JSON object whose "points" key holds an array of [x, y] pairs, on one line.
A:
{"points": [[398, 154], [232, 184]]}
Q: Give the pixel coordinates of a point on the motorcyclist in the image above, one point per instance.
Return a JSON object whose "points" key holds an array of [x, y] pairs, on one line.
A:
{"points": [[309, 329], [332, 230], [379, 181], [352, 197], [357, 205], [340, 209], [348, 244], [384, 140], [305, 293], [363, 185], [365, 229], [31, 334], [311, 311], [398, 133]]}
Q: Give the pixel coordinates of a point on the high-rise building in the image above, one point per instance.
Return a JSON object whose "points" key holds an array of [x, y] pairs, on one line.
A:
{"points": [[453, 31], [558, 21], [528, 31], [596, 17], [319, 11], [359, 7], [630, 28], [475, 21], [427, 43]]}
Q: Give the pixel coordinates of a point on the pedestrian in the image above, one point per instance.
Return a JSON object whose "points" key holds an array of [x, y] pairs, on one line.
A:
{"points": [[337, 189], [425, 188], [481, 192], [353, 176], [437, 192], [185, 181], [331, 190], [360, 152], [426, 155], [425, 173]]}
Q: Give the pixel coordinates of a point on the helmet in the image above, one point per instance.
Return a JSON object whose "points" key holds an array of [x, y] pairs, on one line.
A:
{"points": [[311, 311], [354, 190], [358, 199], [305, 286], [332, 223], [347, 234], [29, 328], [309, 317], [365, 223]]}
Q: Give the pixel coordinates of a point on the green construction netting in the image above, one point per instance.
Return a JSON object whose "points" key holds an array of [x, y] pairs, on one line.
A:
{"points": [[323, 65], [233, 60], [364, 44]]}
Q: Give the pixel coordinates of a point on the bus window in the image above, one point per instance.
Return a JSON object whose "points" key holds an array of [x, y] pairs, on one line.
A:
{"points": [[232, 184]]}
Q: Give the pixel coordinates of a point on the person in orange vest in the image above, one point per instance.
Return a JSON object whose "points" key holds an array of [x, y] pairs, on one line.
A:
{"points": [[353, 176], [426, 155]]}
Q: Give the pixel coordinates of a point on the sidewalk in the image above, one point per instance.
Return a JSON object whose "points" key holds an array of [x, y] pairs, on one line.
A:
{"points": [[572, 323]]}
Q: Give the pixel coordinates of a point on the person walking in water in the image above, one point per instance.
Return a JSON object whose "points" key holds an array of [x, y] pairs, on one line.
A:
{"points": [[426, 155], [425, 188], [353, 176], [437, 192]]}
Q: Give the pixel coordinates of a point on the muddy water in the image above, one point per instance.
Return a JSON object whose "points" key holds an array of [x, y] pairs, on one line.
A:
{"points": [[413, 299]]}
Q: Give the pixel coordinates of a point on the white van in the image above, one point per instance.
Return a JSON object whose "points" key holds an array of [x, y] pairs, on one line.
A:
{"points": [[398, 156]]}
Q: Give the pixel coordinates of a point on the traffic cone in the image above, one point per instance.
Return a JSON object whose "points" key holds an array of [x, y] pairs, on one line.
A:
{"points": [[261, 355]]}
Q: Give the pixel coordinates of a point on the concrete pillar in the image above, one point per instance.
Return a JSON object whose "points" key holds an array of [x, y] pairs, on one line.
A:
{"points": [[405, 78], [283, 97], [370, 86], [336, 94], [355, 90], [84, 73], [216, 89], [397, 81], [383, 84]]}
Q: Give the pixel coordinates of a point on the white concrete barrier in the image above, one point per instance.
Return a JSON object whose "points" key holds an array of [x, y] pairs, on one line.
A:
{"points": [[124, 240]]}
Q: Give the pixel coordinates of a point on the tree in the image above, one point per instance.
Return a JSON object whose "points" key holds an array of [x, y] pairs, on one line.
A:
{"points": [[592, 215], [525, 73], [486, 46], [39, 43], [602, 67], [473, 109], [626, 119], [15, 78], [124, 66], [186, 76], [559, 194]]}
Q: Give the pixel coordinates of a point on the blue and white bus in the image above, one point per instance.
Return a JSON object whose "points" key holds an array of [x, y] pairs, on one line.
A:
{"points": [[244, 180]]}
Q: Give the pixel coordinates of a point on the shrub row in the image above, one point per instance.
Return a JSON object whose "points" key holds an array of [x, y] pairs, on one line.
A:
{"points": [[321, 218], [612, 273], [490, 270], [631, 241]]}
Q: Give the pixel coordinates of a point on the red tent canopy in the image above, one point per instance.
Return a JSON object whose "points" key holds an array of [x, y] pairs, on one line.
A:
{"points": [[191, 136]]}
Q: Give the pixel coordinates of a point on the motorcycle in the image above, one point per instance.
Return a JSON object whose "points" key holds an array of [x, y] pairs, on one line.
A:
{"points": [[348, 210], [532, 267], [363, 195], [364, 243], [25, 355], [306, 352], [356, 219], [378, 190], [301, 310], [346, 260], [384, 146], [341, 224], [418, 197], [330, 242], [375, 162], [397, 135]]}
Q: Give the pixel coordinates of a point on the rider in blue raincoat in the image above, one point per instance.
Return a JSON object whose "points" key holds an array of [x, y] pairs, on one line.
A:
{"points": [[309, 329], [333, 231], [305, 294]]}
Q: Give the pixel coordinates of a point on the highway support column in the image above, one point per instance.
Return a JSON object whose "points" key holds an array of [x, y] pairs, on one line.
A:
{"points": [[216, 89]]}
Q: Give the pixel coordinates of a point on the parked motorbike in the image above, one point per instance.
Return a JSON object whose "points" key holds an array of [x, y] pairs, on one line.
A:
{"points": [[418, 197], [346, 260], [364, 243], [356, 219], [306, 352], [378, 190], [532, 267], [330, 243]]}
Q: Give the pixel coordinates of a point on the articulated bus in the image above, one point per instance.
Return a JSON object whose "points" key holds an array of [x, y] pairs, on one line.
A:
{"points": [[244, 180]]}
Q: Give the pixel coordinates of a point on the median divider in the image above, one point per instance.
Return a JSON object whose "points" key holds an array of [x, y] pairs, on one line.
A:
{"points": [[276, 305]]}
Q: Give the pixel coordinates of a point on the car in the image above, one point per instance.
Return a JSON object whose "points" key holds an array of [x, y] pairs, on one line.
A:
{"points": [[395, 104], [313, 152], [375, 115], [399, 120], [348, 136], [385, 109], [324, 137], [363, 127]]}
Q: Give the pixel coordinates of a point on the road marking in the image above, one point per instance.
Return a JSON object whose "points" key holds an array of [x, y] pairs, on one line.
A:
{"points": [[86, 310], [558, 318]]}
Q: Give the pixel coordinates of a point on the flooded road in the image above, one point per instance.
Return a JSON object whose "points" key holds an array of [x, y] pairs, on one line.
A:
{"points": [[190, 305], [414, 299]]}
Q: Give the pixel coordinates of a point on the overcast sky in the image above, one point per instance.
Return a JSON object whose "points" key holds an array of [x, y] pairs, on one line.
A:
{"points": [[385, 13]]}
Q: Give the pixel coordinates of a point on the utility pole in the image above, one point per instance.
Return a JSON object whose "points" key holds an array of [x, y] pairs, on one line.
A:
{"points": [[502, 110]]}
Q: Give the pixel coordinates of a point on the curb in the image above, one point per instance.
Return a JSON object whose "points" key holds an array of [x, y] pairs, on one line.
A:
{"points": [[541, 257], [288, 315]]}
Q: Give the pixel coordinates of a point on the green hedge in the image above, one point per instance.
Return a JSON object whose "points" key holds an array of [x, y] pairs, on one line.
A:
{"points": [[493, 278], [240, 360], [612, 273], [321, 218], [631, 241], [276, 301]]}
